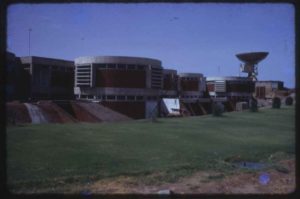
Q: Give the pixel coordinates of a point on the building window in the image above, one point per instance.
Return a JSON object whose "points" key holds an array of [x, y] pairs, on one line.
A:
{"points": [[111, 66], [122, 66], [111, 97], [100, 65], [151, 97], [120, 97], [139, 97], [141, 67], [131, 67], [131, 98]]}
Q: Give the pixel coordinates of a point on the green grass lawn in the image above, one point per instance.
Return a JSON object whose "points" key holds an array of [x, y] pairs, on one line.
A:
{"points": [[40, 155]]}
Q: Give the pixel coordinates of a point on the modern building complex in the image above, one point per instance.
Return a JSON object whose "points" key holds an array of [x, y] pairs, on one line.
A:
{"points": [[136, 87]]}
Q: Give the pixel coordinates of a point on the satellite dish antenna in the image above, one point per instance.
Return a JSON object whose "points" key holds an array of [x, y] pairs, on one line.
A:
{"points": [[250, 61]]}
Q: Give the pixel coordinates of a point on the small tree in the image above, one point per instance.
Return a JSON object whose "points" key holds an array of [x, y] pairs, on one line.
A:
{"points": [[276, 102], [253, 105], [217, 109], [289, 101]]}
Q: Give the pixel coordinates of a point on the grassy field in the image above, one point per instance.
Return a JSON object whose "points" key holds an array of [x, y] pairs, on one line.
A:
{"points": [[43, 155]]}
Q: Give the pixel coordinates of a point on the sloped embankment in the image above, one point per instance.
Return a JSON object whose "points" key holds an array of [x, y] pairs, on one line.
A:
{"points": [[54, 113], [94, 112], [50, 112], [17, 112]]}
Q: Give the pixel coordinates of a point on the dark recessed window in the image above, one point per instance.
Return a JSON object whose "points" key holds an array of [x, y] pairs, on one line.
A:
{"points": [[139, 97], [111, 97], [131, 66], [111, 66], [100, 65], [141, 67], [130, 97], [83, 66], [120, 97], [152, 97], [122, 66]]}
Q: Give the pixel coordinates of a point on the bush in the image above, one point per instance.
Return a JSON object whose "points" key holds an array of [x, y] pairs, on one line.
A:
{"points": [[289, 101], [253, 105], [276, 102], [217, 109]]}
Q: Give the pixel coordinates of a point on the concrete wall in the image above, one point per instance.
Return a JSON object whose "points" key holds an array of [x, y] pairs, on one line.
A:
{"points": [[17, 85], [267, 89], [132, 109], [49, 78]]}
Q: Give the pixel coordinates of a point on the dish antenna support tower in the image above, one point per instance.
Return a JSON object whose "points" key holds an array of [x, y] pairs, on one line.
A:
{"points": [[250, 62]]}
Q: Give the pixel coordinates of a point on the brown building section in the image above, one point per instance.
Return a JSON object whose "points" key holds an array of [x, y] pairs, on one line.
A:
{"points": [[134, 109], [121, 78], [260, 92], [189, 85], [170, 82], [240, 87], [210, 87]]}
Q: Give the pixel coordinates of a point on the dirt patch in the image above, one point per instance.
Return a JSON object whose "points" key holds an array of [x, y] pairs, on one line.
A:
{"points": [[203, 182], [206, 182]]}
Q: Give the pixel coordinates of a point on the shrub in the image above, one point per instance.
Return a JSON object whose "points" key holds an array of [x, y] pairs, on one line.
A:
{"points": [[253, 105], [276, 102], [217, 109], [289, 101]]}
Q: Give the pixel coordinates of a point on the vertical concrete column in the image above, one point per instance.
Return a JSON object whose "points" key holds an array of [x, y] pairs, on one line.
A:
{"points": [[148, 76], [75, 76], [49, 81], [199, 84], [31, 79], [93, 76]]}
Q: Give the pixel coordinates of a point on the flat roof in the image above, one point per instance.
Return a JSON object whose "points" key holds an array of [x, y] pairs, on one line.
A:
{"points": [[228, 78], [117, 59]]}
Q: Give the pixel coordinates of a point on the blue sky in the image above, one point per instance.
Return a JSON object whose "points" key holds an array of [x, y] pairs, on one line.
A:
{"points": [[189, 37]]}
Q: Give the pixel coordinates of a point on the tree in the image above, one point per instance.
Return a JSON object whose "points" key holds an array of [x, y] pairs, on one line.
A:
{"points": [[253, 104], [276, 102], [217, 109], [289, 101]]}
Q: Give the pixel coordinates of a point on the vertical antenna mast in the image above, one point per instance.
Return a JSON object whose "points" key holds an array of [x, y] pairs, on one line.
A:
{"points": [[29, 31]]}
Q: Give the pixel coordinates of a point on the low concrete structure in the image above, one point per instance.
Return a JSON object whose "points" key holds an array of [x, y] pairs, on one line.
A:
{"points": [[267, 89], [49, 78]]}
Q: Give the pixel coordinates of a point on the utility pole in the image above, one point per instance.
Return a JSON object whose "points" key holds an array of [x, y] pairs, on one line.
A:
{"points": [[29, 31]]}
